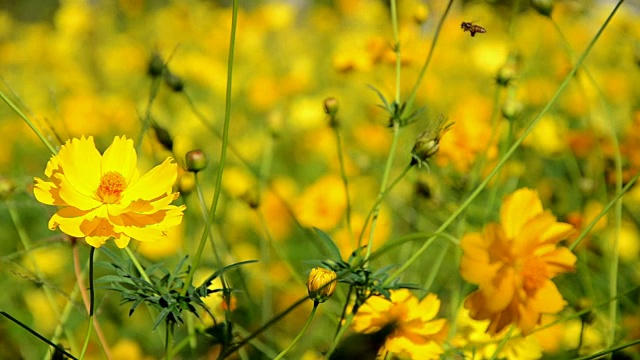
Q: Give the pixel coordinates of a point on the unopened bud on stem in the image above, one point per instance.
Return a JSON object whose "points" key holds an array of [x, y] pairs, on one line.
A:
{"points": [[321, 284]]}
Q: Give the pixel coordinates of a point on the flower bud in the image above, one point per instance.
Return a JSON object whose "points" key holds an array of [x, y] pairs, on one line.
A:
{"points": [[421, 13], [321, 284], [428, 142], [7, 187], [505, 75], [174, 81], [543, 7], [156, 65], [511, 109], [186, 183], [331, 106], [196, 160], [163, 136]]}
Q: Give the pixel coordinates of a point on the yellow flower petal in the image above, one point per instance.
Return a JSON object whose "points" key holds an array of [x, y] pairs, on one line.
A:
{"points": [[47, 193], [547, 299], [428, 307], [120, 157], [156, 182], [122, 241], [72, 197], [559, 261], [517, 209], [80, 161]]}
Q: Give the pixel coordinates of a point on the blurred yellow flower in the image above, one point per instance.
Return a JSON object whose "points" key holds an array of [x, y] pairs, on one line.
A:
{"points": [[416, 333], [103, 196], [322, 204], [475, 343], [513, 263]]}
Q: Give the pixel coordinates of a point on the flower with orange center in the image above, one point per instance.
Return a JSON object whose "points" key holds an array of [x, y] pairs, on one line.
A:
{"points": [[416, 333], [103, 196], [513, 263]]}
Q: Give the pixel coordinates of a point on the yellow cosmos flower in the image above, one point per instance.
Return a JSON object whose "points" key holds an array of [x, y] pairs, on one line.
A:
{"points": [[416, 333], [513, 264], [103, 196]]}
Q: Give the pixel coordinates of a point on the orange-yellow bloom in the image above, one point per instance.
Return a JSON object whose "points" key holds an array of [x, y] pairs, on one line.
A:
{"points": [[103, 196], [513, 263], [416, 333]]}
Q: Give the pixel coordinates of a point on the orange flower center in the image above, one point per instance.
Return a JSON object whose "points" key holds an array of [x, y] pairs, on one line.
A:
{"points": [[534, 274], [112, 184]]}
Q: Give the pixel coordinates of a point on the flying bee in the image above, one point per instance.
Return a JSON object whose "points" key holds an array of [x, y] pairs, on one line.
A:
{"points": [[472, 28]]}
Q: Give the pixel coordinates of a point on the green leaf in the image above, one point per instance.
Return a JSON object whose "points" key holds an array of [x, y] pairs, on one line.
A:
{"points": [[161, 316], [224, 269], [384, 101], [331, 246], [112, 279]]}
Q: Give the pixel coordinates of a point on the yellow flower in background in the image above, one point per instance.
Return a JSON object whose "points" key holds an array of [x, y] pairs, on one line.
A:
{"points": [[472, 340], [103, 196], [416, 332], [322, 204], [513, 263]]}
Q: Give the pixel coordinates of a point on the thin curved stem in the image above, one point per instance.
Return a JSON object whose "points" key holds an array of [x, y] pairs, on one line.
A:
{"points": [[91, 303], [423, 70], [223, 152], [379, 200], [29, 122], [304, 328], [136, 263]]}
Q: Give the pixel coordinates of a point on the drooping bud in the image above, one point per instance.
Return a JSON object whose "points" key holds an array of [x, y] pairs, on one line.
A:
{"points": [[505, 75], [156, 65], [543, 7], [321, 284], [196, 160], [174, 81], [331, 106], [428, 142], [163, 136]]}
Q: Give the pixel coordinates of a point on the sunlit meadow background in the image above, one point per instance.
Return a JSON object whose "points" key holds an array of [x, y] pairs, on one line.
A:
{"points": [[82, 68]]}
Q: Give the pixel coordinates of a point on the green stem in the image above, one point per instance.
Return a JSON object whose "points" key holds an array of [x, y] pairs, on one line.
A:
{"points": [[436, 36], [36, 334], [509, 152], [605, 210], [223, 153], [396, 48], [381, 197], [31, 124], [203, 209], [264, 327], [91, 303], [168, 353], [343, 329], [345, 182], [137, 265], [396, 133], [383, 186], [304, 328], [147, 115]]}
